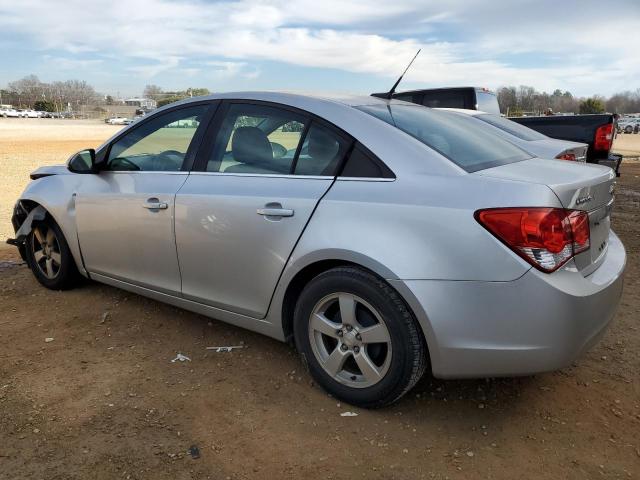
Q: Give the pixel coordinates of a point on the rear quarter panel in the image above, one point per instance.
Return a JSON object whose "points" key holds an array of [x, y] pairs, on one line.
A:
{"points": [[419, 227]]}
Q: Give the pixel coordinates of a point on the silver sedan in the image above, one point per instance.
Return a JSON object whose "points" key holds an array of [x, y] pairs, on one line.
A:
{"points": [[384, 239], [528, 139]]}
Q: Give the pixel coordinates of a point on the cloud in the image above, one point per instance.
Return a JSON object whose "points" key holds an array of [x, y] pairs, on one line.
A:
{"points": [[148, 71], [65, 63], [219, 69], [545, 43]]}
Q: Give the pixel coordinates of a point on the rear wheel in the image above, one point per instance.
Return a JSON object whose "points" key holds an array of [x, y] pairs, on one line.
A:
{"points": [[48, 255], [357, 337]]}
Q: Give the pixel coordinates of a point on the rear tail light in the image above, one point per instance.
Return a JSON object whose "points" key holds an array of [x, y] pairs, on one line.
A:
{"points": [[604, 137], [545, 237], [567, 156]]}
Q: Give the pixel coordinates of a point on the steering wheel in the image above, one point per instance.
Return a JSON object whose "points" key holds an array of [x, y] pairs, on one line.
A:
{"points": [[167, 160], [166, 153], [123, 162]]}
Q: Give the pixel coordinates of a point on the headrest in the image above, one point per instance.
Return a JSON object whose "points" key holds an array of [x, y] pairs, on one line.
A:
{"points": [[250, 145]]}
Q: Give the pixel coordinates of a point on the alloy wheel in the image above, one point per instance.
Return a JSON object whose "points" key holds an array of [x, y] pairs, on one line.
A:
{"points": [[46, 251], [350, 340]]}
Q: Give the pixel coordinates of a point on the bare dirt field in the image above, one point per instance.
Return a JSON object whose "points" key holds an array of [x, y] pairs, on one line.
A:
{"points": [[103, 400]]}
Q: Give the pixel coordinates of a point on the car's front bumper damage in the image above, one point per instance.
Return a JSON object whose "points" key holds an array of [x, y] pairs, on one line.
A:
{"points": [[22, 221]]}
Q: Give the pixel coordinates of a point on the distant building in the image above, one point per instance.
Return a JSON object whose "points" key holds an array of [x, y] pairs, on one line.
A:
{"points": [[146, 103]]}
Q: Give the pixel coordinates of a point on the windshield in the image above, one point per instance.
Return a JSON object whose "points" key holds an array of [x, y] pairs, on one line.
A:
{"points": [[461, 139], [509, 126]]}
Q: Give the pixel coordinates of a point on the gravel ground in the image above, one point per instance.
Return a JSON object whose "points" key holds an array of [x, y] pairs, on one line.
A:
{"points": [[88, 388]]}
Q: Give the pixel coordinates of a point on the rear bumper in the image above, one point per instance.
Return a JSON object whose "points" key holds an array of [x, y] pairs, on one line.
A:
{"points": [[537, 323]]}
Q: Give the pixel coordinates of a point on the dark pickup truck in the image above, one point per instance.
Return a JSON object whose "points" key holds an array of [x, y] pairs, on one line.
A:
{"points": [[595, 130]]}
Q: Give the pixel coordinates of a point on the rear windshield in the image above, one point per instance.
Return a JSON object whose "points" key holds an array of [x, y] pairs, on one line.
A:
{"points": [[509, 126], [463, 140]]}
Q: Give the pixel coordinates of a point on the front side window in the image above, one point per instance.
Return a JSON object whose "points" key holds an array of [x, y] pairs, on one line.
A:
{"points": [[463, 140], [259, 139], [158, 145]]}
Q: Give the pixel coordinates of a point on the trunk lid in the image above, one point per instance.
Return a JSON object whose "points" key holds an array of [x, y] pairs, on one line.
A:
{"points": [[578, 186]]}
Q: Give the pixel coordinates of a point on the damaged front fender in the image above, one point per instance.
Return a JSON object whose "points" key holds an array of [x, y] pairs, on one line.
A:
{"points": [[24, 224], [36, 214]]}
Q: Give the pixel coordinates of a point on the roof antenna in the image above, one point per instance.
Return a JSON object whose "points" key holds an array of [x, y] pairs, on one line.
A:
{"points": [[388, 95]]}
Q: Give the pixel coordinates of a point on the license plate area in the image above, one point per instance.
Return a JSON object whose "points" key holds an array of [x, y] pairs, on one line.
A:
{"points": [[599, 225]]}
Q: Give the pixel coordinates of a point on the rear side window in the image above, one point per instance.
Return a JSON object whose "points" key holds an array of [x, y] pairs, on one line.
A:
{"points": [[364, 164], [321, 153], [515, 129], [463, 140]]}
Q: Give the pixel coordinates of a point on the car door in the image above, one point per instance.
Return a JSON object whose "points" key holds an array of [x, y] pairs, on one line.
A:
{"points": [[125, 214], [239, 217]]}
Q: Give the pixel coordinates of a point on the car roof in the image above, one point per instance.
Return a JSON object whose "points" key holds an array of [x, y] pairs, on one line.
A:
{"points": [[295, 98]]}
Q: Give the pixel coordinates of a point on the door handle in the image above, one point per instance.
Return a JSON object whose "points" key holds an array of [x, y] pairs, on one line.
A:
{"points": [[155, 204], [274, 210]]}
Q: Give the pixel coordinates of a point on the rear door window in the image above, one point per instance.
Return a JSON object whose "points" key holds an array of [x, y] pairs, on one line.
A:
{"points": [[257, 139], [265, 139], [463, 140]]}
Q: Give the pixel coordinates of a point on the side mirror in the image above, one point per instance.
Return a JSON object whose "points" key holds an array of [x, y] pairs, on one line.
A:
{"points": [[83, 162]]}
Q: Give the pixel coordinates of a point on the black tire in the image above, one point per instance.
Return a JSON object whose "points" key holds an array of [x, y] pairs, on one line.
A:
{"points": [[66, 273], [409, 358]]}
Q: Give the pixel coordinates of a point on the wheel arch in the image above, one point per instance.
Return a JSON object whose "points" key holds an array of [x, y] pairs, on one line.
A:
{"points": [[297, 278], [67, 226]]}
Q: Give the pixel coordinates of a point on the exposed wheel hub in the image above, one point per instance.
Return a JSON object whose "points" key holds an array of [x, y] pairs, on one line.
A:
{"points": [[349, 338]]}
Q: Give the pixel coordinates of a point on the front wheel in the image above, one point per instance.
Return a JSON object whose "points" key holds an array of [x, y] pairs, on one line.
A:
{"points": [[358, 338], [48, 255]]}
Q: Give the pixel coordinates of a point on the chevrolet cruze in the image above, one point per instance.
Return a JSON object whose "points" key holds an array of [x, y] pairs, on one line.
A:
{"points": [[383, 238]]}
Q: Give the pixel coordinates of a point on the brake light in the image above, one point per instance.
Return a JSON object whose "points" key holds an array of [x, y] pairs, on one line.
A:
{"points": [[604, 137], [567, 156], [545, 237]]}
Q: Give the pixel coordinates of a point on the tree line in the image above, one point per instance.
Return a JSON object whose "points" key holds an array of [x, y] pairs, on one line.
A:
{"points": [[164, 98], [517, 101], [30, 92]]}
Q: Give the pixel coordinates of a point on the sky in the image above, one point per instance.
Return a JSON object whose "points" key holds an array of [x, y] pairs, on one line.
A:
{"points": [[353, 46]]}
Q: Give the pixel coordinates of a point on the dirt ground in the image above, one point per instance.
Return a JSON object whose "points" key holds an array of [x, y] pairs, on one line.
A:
{"points": [[103, 399]]}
